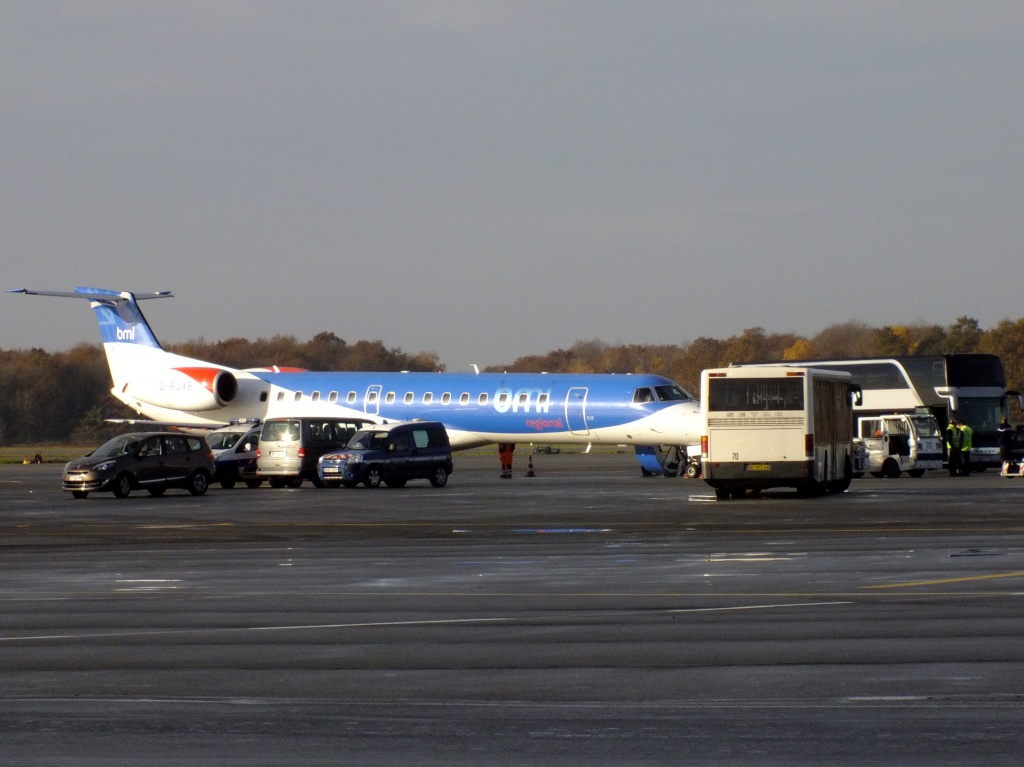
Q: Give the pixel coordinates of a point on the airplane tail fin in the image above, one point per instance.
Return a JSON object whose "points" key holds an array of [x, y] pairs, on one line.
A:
{"points": [[120, 319], [163, 385]]}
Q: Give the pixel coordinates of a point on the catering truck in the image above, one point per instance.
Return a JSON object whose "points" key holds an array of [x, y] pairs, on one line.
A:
{"points": [[903, 442]]}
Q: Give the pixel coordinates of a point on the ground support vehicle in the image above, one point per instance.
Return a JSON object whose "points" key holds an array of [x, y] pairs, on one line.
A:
{"points": [[777, 426], [238, 462], [898, 443], [392, 454]]}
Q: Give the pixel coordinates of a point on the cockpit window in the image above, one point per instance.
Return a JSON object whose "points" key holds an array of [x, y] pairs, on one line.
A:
{"points": [[643, 394], [672, 393]]}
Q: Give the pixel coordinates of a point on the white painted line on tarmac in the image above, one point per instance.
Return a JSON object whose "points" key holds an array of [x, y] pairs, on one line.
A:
{"points": [[756, 607], [244, 629]]}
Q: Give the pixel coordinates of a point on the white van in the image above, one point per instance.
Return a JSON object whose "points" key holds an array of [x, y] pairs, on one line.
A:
{"points": [[905, 442], [290, 447]]}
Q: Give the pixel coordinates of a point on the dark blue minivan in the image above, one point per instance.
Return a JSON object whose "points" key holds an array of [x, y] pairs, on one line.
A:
{"points": [[392, 453]]}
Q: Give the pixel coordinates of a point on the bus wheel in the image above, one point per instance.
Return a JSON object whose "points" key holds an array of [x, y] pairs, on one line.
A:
{"points": [[810, 489], [842, 484]]}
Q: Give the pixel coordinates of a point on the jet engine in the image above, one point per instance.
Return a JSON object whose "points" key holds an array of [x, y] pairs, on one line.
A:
{"points": [[184, 388]]}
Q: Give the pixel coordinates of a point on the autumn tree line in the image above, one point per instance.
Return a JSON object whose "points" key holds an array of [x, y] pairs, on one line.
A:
{"points": [[65, 396]]}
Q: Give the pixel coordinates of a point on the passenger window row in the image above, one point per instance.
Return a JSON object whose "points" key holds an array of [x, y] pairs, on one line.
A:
{"points": [[428, 397]]}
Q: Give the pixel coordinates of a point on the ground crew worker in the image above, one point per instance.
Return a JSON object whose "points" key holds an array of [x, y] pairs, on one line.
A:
{"points": [[966, 440], [953, 436], [505, 451], [1005, 432]]}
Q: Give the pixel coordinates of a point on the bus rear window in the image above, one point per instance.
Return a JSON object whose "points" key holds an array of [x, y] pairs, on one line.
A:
{"points": [[756, 394]]}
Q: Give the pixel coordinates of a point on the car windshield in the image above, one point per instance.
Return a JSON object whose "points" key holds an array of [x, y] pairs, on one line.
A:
{"points": [[368, 440], [222, 440], [122, 445], [926, 427]]}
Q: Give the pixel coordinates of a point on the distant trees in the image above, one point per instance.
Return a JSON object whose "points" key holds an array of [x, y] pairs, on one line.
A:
{"points": [[847, 339], [46, 397], [54, 397]]}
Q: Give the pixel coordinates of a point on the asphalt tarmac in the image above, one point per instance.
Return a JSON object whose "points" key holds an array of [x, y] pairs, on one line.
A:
{"points": [[583, 616]]}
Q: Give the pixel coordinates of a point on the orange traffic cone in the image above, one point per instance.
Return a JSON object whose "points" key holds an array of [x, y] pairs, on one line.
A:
{"points": [[529, 466]]}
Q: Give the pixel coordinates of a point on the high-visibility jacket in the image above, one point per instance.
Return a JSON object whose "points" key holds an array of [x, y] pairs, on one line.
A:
{"points": [[953, 437], [966, 437]]}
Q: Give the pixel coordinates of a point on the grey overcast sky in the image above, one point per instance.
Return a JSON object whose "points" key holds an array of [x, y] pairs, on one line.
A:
{"points": [[488, 178]]}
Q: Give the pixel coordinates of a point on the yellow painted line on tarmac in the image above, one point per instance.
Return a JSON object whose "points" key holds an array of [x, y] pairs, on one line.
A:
{"points": [[938, 581]]}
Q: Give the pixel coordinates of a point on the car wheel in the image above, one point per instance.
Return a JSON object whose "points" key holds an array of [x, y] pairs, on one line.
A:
{"points": [[122, 485], [227, 484], [79, 494], [157, 491], [891, 469], [277, 482], [373, 477], [199, 483], [348, 483], [319, 483], [439, 476], [294, 482], [253, 483]]}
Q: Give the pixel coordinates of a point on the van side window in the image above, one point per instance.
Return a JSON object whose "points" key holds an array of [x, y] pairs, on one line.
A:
{"points": [[437, 437], [151, 447], [420, 437], [400, 441], [175, 445]]}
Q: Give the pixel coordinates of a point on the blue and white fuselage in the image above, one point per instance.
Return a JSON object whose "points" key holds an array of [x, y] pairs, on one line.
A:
{"points": [[501, 407], [476, 409]]}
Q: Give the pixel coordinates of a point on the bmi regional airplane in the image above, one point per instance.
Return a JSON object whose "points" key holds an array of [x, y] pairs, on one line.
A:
{"points": [[649, 412]]}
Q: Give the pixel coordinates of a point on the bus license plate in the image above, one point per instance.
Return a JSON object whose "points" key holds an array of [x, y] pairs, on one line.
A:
{"points": [[759, 467]]}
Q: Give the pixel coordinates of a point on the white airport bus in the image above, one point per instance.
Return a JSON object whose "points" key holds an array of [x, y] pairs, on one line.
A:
{"points": [[777, 426]]}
